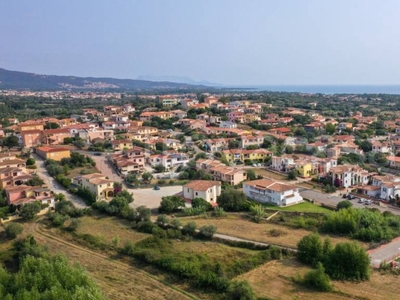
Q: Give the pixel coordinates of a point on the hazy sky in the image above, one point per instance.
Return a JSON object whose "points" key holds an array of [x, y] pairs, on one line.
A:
{"points": [[230, 42]]}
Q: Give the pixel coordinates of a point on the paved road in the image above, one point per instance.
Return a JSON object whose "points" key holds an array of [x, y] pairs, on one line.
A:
{"points": [[386, 253], [54, 185], [104, 166], [333, 200]]}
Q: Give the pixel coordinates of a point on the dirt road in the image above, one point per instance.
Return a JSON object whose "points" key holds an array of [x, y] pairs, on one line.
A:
{"points": [[117, 280]]}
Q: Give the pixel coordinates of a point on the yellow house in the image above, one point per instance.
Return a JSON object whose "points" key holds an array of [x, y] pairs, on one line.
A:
{"points": [[56, 153], [119, 145], [258, 155], [97, 183], [304, 169], [30, 126]]}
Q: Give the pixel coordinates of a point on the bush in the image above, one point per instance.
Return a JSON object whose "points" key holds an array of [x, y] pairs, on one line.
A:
{"points": [[240, 290], [30, 210], [13, 229], [310, 249], [207, 231], [344, 205], [30, 162], [233, 200], [317, 279], [189, 228]]}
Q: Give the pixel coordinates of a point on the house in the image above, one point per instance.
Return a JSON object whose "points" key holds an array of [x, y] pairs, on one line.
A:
{"points": [[394, 161], [215, 145], [280, 130], [270, 191], [251, 140], [206, 189], [188, 103], [31, 138], [97, 183], [389, 186], [180, 114], [168, 101], [345, 125], [227, 124], [168, 161], [55, 136], [242, 155], [348, 175], [129, 161], [119, 145], [12, 176], [51, 152], [31, 125], [22, 194], [221, 172], [380, 147]]}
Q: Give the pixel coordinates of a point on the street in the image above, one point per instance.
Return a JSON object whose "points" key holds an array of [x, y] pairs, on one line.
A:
{"points": [[54, 185], [385, 252]]}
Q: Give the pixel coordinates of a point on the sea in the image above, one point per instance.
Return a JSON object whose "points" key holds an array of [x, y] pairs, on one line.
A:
{"points": [[327, 89]]}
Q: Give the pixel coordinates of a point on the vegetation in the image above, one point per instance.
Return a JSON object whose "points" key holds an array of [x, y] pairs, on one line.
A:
{"points": [[13, 229], [170, 204], [232, 200]]}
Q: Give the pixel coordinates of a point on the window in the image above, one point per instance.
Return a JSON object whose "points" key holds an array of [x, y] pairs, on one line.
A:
{"points": [[197, 193]]}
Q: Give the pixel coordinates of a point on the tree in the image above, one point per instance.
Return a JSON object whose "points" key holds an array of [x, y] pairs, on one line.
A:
{"points": [[289, 149], [344, 204], [13, 229], [317, 279], [330, 128], [11, 141], [292, 175], [251, 175], [79, 143], [51, 125], [147, 176], [200, 202], [30, 161], [348, 261], [159, 168], [366, 146], [232, 200], [310, 249], [170, 204], [241, 290], [35, 181], [30, 210]]}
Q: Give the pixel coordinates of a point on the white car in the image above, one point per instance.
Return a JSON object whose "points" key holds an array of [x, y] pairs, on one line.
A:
{"points": [[361, 200]]}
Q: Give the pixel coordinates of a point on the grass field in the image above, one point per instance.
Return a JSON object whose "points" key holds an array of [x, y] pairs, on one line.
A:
{"points": [[273, 280], [302, 207], [108, 228], [269, 174], [238, 226]]}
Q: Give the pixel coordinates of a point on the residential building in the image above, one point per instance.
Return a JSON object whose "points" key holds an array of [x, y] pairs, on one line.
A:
{"points": [[13, 176], [227, 124], [380, 147], [22, 194], [235, 155], [216, 145], [55, 136], [97, 183], [171, 160], [129, 161], [205, 189], [270, 191], [31, 138], [348, 175], [119, 145], [221, 172], [50, 152], [168, 101], [251, 140]]}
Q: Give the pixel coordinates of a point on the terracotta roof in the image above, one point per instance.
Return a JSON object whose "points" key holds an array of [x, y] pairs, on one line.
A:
{"points": [[48, 149], [201, 185]]}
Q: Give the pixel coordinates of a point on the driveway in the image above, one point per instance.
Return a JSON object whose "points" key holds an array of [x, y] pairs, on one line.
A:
{"points": [[151, 198], [104, 166], [385, 252], [333, 200], [54, 185]]}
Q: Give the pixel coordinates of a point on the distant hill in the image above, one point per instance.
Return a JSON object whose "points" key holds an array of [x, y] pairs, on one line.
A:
{"points": [[178, 79], [29, 81]]}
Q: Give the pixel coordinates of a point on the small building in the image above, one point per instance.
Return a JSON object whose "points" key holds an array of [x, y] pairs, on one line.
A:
{"points": [[22, 194], [56, 153], [269, 191], [208, 190], [97, 183]]}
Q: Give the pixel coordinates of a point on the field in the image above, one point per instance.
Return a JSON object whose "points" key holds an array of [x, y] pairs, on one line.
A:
{"points": [[77, 171], [270, 174], [273, 280], [302, 207], [236, 225]]}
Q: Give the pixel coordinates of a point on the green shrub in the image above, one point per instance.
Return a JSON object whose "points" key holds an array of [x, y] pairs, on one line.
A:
{"points": [[317, 279], [13, 229], [189, 228], [207, 231]]}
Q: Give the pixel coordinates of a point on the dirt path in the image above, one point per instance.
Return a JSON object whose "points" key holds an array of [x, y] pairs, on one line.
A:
{"points": [[116, 279]]}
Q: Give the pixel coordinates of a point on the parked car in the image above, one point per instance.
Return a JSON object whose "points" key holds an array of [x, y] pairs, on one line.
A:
{"points": [[156, 188], [351, 197], [361, 200], [345, 196]]}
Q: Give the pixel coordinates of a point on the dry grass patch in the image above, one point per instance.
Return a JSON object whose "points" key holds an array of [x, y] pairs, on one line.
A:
{"points": [[238, 226], [270, 174], [108, 228]]}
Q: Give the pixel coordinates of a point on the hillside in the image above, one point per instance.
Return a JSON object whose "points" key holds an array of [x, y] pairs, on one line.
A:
{"points": [[30, 81]]}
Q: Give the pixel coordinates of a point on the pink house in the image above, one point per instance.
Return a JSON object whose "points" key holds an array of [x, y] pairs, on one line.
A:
{"points": [[20, 195]]}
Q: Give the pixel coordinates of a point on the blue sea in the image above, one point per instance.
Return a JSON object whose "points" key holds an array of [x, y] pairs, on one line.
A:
{"points": [[328, 89]]}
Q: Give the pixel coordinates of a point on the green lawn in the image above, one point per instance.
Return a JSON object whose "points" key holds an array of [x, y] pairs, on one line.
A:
{"points": [[302, 207]]}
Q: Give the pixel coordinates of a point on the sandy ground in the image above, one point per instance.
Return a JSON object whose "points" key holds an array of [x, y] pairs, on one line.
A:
{"points": [[152, 198]]}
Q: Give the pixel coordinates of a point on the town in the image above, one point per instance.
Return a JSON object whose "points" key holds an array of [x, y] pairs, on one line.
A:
{"points": [[283, 161]]}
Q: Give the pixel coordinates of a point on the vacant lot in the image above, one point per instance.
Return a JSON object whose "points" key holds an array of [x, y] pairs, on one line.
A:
{"points": [[273, 280], [270, 174], [238, 226], [151, 198], [108, 228]]}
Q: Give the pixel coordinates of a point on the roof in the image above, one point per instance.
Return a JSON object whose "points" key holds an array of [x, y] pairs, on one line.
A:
{"points": [[269, 184], [201, 185], [48, 149]]}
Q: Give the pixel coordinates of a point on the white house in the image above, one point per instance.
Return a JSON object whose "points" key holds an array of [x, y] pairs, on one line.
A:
{"points": [[169, 160], [348, 175], [227, 124], [269, 191], [207, 189]]}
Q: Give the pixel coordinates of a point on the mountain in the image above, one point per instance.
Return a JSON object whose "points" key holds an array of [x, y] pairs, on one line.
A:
{"points": [[29, 81], [178, 79]]}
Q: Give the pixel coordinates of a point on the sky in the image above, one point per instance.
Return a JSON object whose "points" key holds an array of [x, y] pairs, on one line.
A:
{"points": [[233, 42]]}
